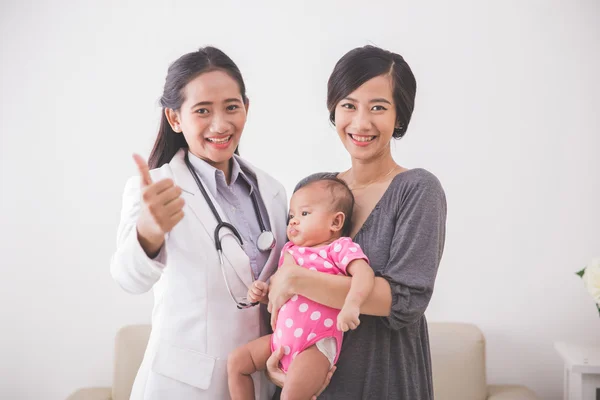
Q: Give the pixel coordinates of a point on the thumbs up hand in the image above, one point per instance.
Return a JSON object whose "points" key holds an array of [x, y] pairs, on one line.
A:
{"points": [[143, 169], [162, 209]]}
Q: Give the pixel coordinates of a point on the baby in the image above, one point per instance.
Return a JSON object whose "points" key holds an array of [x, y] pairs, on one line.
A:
{"points": [[310, 333]]}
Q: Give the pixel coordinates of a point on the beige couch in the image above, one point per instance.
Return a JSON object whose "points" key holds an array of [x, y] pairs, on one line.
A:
{"points": [[457, 351]]}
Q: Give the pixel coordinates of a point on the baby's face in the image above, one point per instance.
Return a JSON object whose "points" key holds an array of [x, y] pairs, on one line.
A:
{"points": [[311, 217]]}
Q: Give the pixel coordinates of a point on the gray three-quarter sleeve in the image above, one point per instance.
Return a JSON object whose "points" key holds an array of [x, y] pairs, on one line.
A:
{"points": [[416, 249]]}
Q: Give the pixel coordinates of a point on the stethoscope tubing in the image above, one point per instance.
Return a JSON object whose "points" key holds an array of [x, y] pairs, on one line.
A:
{"points": [[221, 224]]}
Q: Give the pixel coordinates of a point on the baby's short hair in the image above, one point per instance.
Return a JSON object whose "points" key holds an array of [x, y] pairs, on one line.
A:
{"points": [[343, 199]]}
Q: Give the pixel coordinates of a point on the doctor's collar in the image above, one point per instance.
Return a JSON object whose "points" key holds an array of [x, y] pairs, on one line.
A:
{"points": [[208, 173]]}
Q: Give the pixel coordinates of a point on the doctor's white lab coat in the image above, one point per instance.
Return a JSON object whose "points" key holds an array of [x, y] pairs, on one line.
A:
{"points": [[195, 323]]}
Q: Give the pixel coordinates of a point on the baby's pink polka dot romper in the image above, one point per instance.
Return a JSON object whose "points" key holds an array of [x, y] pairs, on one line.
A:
{"points": [[302, 322]]}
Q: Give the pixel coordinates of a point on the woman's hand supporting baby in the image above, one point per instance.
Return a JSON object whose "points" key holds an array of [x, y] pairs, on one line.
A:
{"points": [[277, 376]]}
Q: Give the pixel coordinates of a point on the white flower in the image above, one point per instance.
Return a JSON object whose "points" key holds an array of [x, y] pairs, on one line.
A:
{"points": [[591, 279]]}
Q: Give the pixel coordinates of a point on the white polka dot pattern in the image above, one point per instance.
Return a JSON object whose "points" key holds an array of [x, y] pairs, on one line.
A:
{"points": [[300, 322]]}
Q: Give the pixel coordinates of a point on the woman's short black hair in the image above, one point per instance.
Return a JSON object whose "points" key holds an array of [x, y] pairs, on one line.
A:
{"points": [[364, 63]]}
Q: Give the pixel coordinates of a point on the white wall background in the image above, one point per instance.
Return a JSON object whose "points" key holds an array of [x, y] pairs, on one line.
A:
{"points": [[507, 116]]}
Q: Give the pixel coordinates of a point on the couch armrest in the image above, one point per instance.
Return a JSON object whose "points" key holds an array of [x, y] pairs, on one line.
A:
{"points": [[91, 394], [510, 392]]}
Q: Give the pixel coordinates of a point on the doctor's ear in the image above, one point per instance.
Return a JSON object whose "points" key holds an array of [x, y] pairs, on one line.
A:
{"points": [[338, 221], [174, 119]]}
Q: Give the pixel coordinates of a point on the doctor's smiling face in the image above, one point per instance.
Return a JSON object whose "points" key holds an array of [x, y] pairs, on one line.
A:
{"points": [[211, 117]]}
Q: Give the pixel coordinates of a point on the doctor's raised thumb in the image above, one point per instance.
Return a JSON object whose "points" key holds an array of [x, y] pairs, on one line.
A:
{"points": [[143, 169]]}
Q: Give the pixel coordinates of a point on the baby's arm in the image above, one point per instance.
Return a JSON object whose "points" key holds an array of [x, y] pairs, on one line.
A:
{"points": [[363, 279], [259, 292]]}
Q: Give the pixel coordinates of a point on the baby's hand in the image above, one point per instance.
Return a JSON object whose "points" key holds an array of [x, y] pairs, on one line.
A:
{"points": [[348, 317], [258, 291]]}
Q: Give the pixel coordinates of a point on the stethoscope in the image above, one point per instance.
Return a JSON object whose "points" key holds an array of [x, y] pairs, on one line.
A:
{"points": [[265, 242]]}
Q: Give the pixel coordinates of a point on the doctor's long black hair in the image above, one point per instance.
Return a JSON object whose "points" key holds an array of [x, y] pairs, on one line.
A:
{"points": [[180, 73]]}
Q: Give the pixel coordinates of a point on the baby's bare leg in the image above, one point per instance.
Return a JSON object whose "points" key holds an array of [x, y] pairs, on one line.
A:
{"points": [[243, 362], [306, 375]]}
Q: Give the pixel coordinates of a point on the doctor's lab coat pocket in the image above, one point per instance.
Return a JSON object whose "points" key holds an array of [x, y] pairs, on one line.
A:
{"points": [[184, 365]]}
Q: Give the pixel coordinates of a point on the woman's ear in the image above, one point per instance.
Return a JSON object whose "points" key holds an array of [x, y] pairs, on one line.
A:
{"points": [[247, 105], [174, 119], [338, 221]]}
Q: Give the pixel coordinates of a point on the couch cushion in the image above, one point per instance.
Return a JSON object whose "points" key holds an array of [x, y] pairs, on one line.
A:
{"points": [[458, 361], [510, 392], [130, 345], [91, 394]]}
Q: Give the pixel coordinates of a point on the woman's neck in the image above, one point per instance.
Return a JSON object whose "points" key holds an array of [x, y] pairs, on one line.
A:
{"points": [[224, 166], [364, 172]]}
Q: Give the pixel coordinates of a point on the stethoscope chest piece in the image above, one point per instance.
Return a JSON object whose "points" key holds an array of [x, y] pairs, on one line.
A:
{"points": [[266, 241]]}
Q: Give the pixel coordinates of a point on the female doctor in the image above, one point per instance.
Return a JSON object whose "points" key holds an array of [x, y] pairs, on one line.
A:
{"points": [[198, 229]]}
